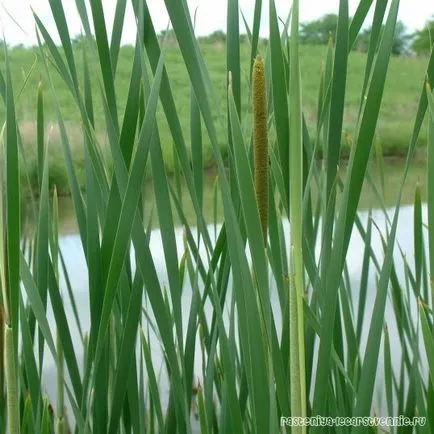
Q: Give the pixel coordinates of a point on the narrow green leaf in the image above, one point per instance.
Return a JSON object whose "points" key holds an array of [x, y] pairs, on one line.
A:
{"points": [[428, 340]]}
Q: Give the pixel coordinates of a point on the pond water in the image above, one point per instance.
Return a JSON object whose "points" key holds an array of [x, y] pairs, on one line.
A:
{"points": [[70, 244], [393, 170]]}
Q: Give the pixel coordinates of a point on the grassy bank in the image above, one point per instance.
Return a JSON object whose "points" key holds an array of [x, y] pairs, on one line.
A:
{"points": [[395, 121]]}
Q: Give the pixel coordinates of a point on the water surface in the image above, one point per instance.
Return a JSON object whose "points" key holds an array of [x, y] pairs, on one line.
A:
{"points": [[71, 247]]}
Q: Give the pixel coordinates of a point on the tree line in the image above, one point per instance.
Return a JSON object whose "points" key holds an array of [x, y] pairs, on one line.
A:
{"points": [[318, 32], [420, 42]]}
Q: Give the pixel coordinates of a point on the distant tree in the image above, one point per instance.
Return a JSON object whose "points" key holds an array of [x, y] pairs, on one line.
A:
{"points": [[401, 43], [317, 32], [362, 41], [217, 36], [168, 35], [79, 39], [423, 39], [244, 38]]}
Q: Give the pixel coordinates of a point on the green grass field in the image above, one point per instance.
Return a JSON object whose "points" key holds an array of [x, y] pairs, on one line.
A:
{"points": [[403, 87]]}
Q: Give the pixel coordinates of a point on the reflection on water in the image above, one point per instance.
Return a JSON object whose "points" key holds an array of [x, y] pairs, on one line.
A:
{"points": [[212, 206]]}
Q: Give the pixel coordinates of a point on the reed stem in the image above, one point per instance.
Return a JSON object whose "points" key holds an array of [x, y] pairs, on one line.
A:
{"points": [[298, 374], [11, 382]]}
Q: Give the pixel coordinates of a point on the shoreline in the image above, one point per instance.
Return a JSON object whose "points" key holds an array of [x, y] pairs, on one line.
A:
{"points": [[58, 176]]}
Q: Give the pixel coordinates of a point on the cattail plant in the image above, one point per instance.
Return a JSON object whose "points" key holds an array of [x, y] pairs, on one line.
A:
{"points": [[2, 351], [10, 369], [260, 138], [60, 422], [248, 322], [298, 375], [11, 382]]}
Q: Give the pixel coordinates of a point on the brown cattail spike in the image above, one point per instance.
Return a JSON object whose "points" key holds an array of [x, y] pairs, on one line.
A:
{"points": [[260, 142]]}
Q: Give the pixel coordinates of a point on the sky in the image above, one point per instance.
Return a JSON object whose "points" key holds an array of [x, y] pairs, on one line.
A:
{"points": [[211, 15]]}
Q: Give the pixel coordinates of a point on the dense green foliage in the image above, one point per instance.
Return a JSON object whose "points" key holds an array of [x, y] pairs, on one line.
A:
{"points": [[221, 329]]}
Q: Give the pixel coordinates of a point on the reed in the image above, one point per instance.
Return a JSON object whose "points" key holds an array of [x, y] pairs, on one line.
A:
{"points": [[297, 290], [11, 382], [12, 413], [268, 322]]}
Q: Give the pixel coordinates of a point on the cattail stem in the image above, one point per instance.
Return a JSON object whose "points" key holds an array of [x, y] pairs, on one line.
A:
{"points": [[298, 369], [60, 423], [2, 352], [60, 426], [11, 382], [112, 373], [260, 138], [60, 385], [295, 345]]}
